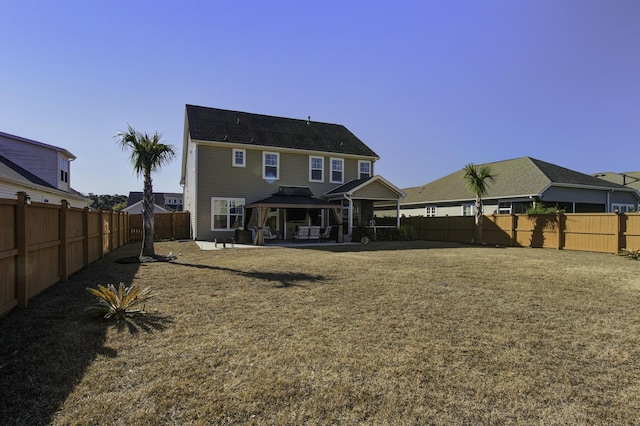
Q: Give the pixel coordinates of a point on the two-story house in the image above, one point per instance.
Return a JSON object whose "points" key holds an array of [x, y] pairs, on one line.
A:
{"points": [[165, 202], [42, 171], [291, 172]]}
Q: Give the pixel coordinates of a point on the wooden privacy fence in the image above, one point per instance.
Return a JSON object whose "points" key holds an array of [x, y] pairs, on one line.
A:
{"points": [[42, 244], [166, 226], [596, 232]]}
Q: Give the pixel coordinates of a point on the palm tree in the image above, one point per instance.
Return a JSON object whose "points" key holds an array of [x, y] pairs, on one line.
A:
{"points": [[147, 154], [477, 179]]}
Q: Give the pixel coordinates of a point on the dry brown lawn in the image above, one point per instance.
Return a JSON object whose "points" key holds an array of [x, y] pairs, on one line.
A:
{"points": [[387, 333]]}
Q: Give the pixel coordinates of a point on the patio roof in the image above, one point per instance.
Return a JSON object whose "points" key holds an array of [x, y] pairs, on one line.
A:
{"points": [[298, 198]]}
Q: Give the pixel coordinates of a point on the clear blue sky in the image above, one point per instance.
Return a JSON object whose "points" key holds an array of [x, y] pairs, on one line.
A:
{"points": [[429, 85]]}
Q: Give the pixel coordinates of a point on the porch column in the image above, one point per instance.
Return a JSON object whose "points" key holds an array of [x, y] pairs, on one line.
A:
{"points": [[398, 213], [350, 223]]}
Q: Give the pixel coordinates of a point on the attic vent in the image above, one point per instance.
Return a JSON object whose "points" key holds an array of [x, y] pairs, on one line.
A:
{"points": [[225, 137], [341, 143], [308, 120], [238, 122], [251, 140]]}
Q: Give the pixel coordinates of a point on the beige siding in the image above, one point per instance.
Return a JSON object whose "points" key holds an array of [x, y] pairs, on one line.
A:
{"points": [[217, 177], [190, 183], [376, 191]]}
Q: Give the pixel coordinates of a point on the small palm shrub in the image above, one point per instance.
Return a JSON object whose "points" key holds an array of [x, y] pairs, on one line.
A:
{"points": [[120, 303], [630, 253]]}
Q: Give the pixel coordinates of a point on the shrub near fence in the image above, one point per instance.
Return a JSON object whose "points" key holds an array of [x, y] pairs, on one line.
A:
{"points": [[596, 232]]}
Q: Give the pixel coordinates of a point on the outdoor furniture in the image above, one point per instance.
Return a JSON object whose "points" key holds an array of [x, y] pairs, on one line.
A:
{"points": [[314, 232], [307, 233], [302, 233], [267, 234], [327, 233]]}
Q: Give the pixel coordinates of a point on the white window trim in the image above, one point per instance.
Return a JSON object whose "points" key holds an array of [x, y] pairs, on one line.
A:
{"points": [[331, 170], [63, 174], [213, 200], [473, 208], [622, 208], [360, 170], [311, 169], [244, 157], [264, 165], [426, 211], [505, 210]]}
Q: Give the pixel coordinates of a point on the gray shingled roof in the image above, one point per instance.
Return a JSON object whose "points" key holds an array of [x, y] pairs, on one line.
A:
{"points": [[219, 125], [348, 186], [522, 176], [627, 179]]}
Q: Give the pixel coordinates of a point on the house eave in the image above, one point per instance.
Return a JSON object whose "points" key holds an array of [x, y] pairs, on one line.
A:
{"points": [[47, 190]]}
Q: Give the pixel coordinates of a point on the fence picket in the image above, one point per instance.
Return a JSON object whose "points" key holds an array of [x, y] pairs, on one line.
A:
{"points": [[44, 243]]}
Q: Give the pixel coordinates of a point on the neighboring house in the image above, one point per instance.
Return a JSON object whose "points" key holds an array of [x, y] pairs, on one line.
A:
{"points": [[164, 202], [291, 172], [626, 179], [42, 171], [519, 184]]}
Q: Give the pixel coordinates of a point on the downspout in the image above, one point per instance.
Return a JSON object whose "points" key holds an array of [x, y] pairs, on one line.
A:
{"points": [[398, 213]]}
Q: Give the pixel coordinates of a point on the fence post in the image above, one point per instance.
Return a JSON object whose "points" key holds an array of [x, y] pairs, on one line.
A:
{"points": [[174, 228], [21, 245], [621, 231], [446, 228], [62, 231], [111, 233], [85, 241], [512, 232], [101, 232], [560, 218]]}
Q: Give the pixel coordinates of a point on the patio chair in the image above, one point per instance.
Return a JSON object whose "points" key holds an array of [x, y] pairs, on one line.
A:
{"points": [[268, 235], [302, 233], [327, 233], [314, 232]]}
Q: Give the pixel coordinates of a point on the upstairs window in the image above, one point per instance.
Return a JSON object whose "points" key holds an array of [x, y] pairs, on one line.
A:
{"points": [[316, 169], [365, 169], [337, 170], [239, 156], [270, 165], [430, 211], [467, 209], [64, 170]]}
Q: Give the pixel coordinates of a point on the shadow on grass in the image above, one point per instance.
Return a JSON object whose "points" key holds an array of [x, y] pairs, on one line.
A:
{"points": [[147, 323], [286, 279], [384, 246], [46, 347]]}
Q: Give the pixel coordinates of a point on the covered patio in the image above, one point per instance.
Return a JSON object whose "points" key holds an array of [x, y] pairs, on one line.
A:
{"points": [[294, 200]]}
